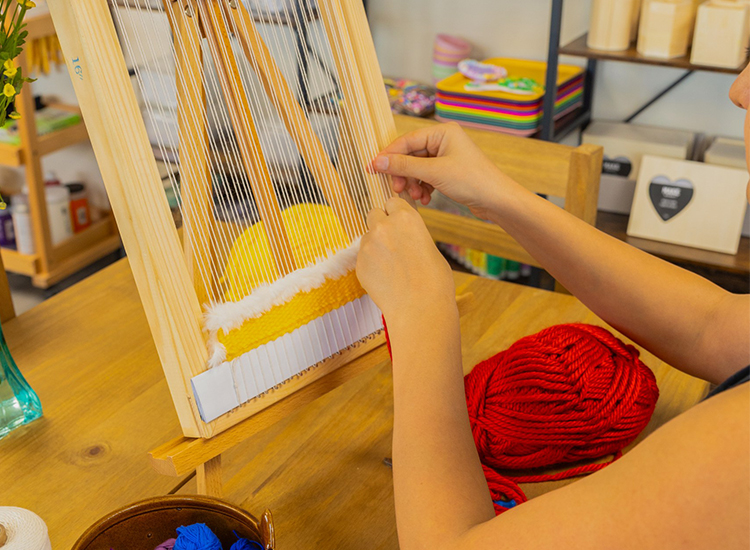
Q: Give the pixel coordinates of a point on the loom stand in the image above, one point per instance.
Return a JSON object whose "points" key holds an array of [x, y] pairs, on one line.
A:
{"points": [[184, 455]]}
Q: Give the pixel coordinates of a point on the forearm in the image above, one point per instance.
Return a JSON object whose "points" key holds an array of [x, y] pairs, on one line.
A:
{"points": [[439, 485], [664, 308]]}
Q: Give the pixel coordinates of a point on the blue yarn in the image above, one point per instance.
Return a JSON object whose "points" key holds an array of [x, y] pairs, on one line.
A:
{"points": [[503, 503], [245, 544], [196, 537]]}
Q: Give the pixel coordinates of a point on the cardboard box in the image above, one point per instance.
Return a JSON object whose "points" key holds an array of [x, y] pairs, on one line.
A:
{"points": [[624, 146], [729, 152], [689, 203]]}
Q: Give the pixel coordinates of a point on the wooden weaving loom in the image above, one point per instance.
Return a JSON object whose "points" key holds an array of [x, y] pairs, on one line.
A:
{"points": [[259, 300]]}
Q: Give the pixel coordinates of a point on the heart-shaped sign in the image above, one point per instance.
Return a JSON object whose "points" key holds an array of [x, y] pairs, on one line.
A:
{"points": [[670, 197], [618, 166]]}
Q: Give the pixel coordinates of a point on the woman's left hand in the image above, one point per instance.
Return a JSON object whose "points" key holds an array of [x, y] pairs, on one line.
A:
{"points": [[398, 263]]}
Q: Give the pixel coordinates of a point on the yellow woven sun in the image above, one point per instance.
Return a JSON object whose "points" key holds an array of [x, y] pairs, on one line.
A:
{"points": [[313, 231]]}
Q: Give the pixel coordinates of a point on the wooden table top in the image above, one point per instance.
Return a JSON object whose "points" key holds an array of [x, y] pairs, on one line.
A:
{"points": [[89, 355]]}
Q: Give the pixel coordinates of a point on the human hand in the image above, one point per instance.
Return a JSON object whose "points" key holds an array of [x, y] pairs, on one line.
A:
{"points": [[441, 157], [398, 264]]}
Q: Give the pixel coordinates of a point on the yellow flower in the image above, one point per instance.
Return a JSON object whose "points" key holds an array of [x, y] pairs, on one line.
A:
{"points": [[9, 90], [15, 115], [27, 3], [10, 69]]}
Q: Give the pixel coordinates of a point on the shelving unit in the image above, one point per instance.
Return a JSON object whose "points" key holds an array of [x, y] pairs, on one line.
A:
{"points": [[551, 131], [50, 263]]}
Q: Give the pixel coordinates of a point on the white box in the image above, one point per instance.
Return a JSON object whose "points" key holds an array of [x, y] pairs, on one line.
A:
{"points": [[624, 146], [729, 152], [689, 203]]}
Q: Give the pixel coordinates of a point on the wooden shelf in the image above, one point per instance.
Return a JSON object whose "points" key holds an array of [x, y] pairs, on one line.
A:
{"points": [[579, 48], [13, 155], [71, 255], [617, 224]]}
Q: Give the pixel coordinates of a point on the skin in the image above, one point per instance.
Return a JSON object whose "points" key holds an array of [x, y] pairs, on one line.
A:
{"points": [[685, 486]]}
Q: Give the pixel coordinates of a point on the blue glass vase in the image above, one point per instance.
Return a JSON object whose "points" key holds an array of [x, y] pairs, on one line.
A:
{"points": [[19, 404]]}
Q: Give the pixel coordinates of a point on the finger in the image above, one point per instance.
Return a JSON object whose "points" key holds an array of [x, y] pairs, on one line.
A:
{"points": [[427, 139], [415, 190], [427, 169], [375, 216], [396, 204], [399, 183]]}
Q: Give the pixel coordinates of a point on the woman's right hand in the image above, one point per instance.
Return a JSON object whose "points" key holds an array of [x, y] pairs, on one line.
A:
{"points": [[441, 157]]}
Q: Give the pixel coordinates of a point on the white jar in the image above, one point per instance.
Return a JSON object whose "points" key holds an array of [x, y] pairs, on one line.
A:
{"points": [[58, 213], [58, 216], [22, 224]]}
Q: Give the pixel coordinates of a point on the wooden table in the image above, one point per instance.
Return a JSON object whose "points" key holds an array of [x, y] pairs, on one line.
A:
{"points": [[89, 354]]}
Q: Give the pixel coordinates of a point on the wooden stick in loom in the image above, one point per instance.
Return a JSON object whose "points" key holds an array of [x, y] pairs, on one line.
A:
{"points": [[195, 175], [346, 22], [352, 87], [247, 136], [295, 119]]}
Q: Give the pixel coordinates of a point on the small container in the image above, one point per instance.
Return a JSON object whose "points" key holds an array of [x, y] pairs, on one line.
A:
{"points": [[612, 24], [7, 234], [722, 30], [666, 28], [58, 213], [79, 207], [58, 216], [22, 224]]}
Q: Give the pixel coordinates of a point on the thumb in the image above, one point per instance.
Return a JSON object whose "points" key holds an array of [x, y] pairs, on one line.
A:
{"points": [[421, 168]]}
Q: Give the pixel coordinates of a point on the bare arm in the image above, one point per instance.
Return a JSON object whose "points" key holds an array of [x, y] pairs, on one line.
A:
{"points": [[440, 489], [682, 318], [687, 486], [679, 316]]}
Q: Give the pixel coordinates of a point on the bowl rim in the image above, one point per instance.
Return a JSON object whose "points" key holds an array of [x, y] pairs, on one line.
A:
{"points": [[164, 502]]}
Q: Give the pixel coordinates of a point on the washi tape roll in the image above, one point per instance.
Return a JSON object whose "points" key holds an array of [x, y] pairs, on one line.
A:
{"points": [[24, 530]]}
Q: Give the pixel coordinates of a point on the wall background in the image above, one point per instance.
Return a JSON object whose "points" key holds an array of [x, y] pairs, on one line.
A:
{"points": [[404, 30]]}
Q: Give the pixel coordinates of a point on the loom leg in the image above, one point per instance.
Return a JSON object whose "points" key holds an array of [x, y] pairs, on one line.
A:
{"points": [[208, 477]]}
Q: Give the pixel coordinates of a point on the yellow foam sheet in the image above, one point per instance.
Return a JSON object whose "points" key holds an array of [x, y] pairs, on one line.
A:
{"points": [[313, 231]]}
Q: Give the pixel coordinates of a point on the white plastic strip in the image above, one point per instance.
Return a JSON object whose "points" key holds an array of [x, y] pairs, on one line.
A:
{"points": [[221, 389]]}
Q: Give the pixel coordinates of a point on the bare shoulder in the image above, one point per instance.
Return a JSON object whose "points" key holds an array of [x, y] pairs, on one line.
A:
{"points": [[685, 486]]}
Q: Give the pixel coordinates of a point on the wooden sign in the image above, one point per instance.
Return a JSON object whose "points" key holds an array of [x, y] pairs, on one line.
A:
{"points": [[689, 203]]}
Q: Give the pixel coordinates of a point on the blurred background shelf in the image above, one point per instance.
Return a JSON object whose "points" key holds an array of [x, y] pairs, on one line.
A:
{"points": [[579, 48]]}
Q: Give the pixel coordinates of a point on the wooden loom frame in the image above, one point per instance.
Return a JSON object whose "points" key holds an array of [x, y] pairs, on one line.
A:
{"points": [[162, 275]]}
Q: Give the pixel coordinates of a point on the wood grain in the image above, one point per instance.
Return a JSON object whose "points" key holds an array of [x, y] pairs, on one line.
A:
{"points": [[89, 354]]}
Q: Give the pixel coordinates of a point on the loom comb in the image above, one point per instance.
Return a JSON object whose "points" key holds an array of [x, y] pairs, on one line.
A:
{"points": [[263, 117]]}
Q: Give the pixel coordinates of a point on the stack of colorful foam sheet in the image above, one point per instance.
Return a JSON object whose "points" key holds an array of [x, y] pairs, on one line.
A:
{"points": [[516, 112]]}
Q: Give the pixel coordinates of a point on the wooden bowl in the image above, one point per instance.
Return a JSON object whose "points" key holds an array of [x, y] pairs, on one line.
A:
{"points": [[147, 523]]}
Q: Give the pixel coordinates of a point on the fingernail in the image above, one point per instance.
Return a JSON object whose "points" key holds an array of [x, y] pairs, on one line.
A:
{"points": [[380, 163]]}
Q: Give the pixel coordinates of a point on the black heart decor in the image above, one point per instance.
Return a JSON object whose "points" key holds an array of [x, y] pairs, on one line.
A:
{"points": [[618, 166], [670, 197]]}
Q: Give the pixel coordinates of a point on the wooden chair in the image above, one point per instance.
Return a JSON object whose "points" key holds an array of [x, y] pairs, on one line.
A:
{"points": [[542, 167]]}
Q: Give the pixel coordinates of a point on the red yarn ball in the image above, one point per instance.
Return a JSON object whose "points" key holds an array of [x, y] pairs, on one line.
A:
{"points": [[566, 394]]}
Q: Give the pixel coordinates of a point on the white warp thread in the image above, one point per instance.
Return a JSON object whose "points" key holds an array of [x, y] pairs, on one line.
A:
{"points": [[25, 530]]}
